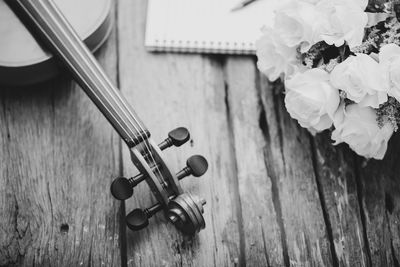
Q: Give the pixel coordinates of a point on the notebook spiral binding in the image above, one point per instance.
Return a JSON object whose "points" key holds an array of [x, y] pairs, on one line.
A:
{"points": [[187, 46]]}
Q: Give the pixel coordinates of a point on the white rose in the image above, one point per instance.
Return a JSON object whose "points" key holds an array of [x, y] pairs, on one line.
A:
{"points": [[361, 3], [295, 24], [344, 21], [311, 99], [389, 61], [357, 126], [360, 77], [274, 57], [311, 1]]}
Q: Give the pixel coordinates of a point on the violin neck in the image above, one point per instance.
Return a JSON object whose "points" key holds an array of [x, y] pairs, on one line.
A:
{"points": [[50, 27]]}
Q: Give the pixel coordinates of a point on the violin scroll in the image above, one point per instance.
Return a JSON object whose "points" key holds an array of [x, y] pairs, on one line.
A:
{"points": [[183, 209], [186, 213]]}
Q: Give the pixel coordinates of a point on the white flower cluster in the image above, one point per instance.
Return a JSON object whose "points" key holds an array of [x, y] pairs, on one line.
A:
{"points": [[314, 97], [301, 23]]}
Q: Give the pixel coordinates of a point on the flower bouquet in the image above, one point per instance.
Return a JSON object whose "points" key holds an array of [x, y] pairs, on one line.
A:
{"points": [[340, 63]]}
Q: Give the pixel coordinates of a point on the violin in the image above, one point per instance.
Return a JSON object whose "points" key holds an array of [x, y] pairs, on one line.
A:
{"points": [[53, 31]]}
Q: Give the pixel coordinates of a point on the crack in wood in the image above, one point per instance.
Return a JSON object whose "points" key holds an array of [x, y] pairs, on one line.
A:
{"points": [[211, 188], [9, 258], [395, 260], [214, 235], [5, 116], [362, 212], [17, 231], [264, 244], [388, 211], [122, 235], [278, 88], [324, 208], [277, 205], [90, 253], [242, 243], [268, 159], [50, 202]]}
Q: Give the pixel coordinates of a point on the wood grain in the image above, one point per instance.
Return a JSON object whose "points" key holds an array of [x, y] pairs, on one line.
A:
{"points": [[379, 183], [337, 182], [261, 233], [289, 162], [276, 196], [58, 157], [170, 90]]}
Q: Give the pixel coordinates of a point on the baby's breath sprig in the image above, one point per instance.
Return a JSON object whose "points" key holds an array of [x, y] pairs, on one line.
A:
{"points": [[389, 112], [368, 46], [384, 32], [392, 33]]}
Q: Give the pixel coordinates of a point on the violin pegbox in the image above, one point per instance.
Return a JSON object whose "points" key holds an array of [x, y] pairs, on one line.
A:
{"points": [[183, 209]]}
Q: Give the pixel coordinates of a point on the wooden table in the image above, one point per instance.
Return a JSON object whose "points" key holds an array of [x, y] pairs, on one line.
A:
{"points": [[276, 195]]}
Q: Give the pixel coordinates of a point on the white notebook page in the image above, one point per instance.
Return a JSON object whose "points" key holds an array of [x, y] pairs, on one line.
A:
{"points": [[206, 25]]}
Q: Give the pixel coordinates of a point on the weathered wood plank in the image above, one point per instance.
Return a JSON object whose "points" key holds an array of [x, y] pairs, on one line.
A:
{"points": [[262, 237], [170, 90], [58, 156], [336, 171], [289, 162], [379, 184]]}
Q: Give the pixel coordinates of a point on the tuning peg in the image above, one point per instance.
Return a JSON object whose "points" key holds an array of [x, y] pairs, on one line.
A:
{"points": [[122, 188], [195, 165], [139, 219], [176, 137]]}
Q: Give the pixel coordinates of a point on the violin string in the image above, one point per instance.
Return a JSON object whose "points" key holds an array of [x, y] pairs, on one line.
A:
{"points": [[141, 132], [82, 78], [97, 74], [149, 148]]}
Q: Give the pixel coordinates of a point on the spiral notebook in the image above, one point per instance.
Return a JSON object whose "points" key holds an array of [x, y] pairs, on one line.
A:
{"points": [[206, 26]]}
